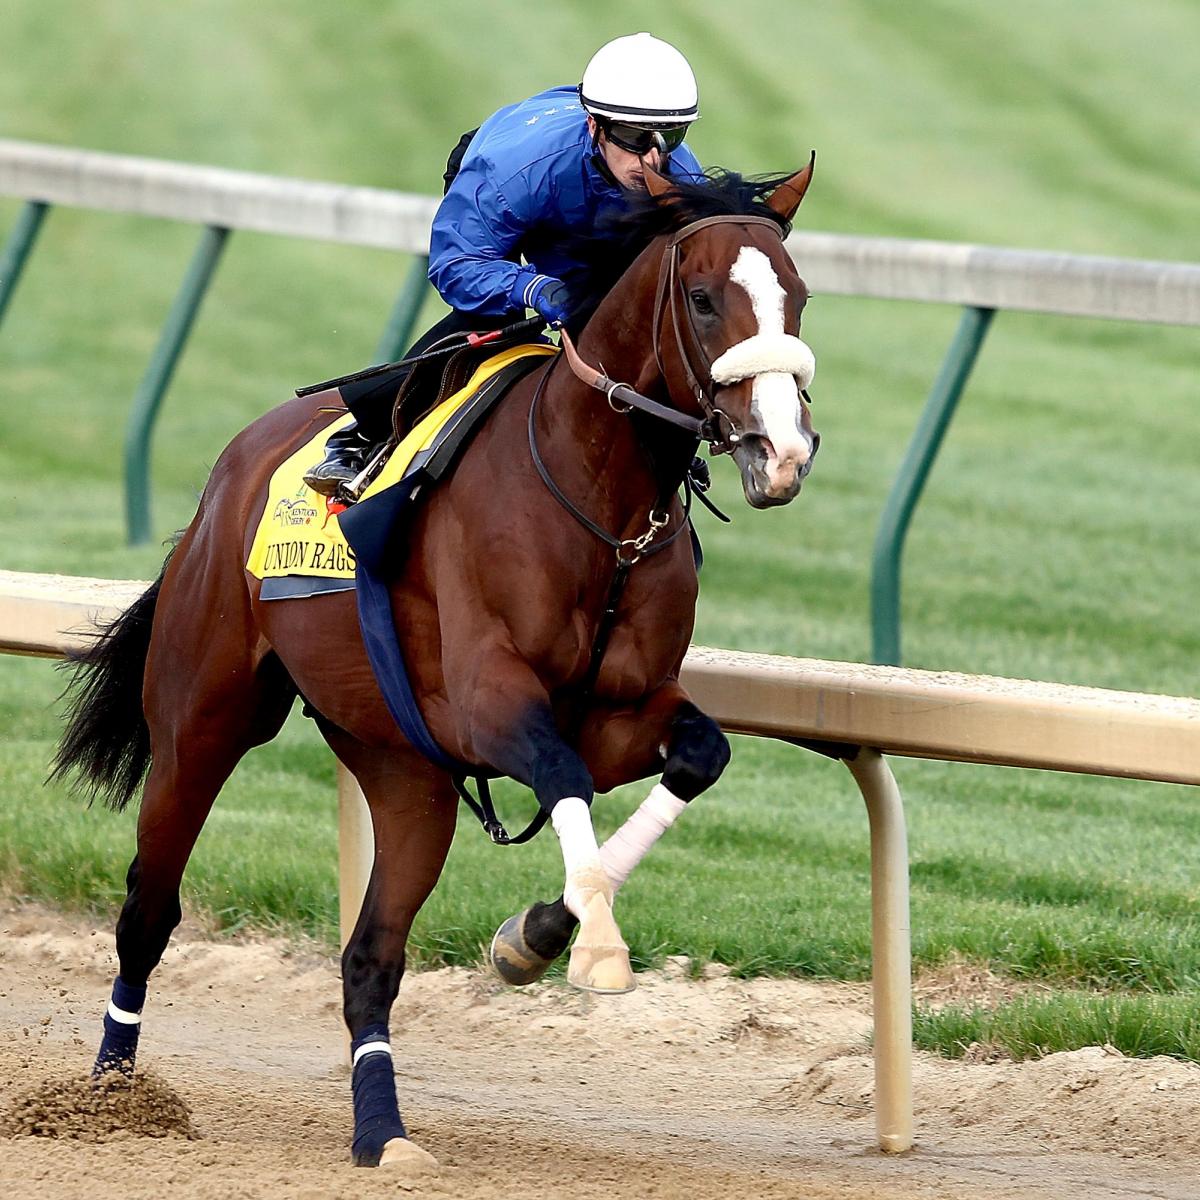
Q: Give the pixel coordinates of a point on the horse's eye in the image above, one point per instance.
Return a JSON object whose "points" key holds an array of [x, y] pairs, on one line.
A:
{"points": [[701, 302]]}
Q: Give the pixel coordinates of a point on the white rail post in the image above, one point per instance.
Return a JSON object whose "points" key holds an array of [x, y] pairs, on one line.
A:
{"points": [[891, 951], [356, 851]]}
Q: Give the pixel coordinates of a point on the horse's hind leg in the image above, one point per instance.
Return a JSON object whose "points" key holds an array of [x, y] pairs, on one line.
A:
{"points": [[413, 807], [206, 702], [694, 752]]}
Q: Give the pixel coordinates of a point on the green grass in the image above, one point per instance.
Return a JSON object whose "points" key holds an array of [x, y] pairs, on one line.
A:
{"points": [[1056, 540], [1032, 1026]]}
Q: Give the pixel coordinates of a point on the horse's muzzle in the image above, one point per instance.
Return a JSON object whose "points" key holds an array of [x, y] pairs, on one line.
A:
{"points": [[769, 479]]}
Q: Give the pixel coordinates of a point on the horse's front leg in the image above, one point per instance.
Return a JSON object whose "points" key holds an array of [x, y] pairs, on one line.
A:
{"points": [[510, 726], [668, 728]]}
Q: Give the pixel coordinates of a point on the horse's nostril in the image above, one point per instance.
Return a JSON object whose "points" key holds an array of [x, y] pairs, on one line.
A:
{"points": [[816, 444]]}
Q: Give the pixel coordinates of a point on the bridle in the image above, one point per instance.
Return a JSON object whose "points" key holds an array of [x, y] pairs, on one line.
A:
{"points": [[722, 433], [716, 428]]}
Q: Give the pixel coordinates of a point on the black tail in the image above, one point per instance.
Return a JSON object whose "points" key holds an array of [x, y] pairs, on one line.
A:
{"points": [[107, 741]]}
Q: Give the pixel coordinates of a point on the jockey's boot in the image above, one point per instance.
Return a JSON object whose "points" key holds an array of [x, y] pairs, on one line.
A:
{"points": [[346, 454]]}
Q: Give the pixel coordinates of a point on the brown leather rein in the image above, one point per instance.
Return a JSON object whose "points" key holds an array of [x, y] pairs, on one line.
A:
{"points": [[717, 428]]}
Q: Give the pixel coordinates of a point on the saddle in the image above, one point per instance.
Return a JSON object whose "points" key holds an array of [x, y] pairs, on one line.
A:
{"points": [[301, 547], [427, 384]]}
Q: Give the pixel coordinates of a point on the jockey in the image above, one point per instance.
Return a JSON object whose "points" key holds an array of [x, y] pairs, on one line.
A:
{"points": [[520, 190]]}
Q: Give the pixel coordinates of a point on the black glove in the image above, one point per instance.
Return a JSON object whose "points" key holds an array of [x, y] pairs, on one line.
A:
{"points": [[546, 295], [550, 301]]}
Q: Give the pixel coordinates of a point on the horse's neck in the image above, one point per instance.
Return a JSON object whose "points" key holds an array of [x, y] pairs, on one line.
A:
{"points": [[593, 453], [617, 463], [621, 333]]}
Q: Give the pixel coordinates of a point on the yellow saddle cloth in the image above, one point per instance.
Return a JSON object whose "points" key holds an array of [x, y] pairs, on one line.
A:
{"points": [[299, 535]]}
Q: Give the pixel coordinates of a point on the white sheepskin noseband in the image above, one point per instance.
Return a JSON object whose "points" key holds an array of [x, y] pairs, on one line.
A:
{"points": [[764, 353]]}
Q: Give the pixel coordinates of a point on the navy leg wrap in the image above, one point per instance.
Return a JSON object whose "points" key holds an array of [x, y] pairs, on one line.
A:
{"points": [[119, 1047], [697, 754], [376, 1113]]}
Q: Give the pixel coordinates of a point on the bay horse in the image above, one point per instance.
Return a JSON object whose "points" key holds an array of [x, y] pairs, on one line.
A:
{"points": [[496, 599]]}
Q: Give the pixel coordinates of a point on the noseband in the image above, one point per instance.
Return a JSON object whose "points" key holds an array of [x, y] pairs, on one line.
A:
{"points": [[717, 428]]}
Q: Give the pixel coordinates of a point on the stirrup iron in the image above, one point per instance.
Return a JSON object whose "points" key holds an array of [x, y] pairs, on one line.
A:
{"points": [[354, 489]]}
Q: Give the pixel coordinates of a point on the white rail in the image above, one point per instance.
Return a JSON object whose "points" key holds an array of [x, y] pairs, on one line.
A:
{"points": [[926, 714], [214, 196], [1126, 289], [886, 268]]}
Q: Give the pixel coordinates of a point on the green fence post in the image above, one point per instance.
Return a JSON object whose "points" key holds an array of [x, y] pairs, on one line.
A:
{"points": [[17, 248], [910, 482], [398, 335], [158, 376]]}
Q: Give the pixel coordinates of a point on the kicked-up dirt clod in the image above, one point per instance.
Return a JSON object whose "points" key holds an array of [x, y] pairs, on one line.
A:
{"points": [[107, 1109]]}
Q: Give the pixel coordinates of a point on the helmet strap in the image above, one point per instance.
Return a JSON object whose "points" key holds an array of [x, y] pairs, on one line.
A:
{"points": [[598, 159]]}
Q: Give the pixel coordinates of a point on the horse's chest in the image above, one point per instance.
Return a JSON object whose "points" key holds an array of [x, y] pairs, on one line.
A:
{"points": [[633, 667], [641, 649]]}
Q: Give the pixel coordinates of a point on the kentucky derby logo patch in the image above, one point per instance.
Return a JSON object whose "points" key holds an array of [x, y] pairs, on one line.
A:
{"points": [[295, 510]]}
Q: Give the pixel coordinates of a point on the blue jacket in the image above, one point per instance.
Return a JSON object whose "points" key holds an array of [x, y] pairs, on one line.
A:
{"points": [[527, 185]]}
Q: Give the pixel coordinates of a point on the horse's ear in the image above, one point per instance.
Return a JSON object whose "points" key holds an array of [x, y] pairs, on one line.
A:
{"points": [[785, 199], [657, 185]]}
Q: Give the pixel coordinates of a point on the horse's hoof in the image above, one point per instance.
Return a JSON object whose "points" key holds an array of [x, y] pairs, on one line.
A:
{"points": [[599, 958], [511, 956], [601, 969], [407, 1157]]}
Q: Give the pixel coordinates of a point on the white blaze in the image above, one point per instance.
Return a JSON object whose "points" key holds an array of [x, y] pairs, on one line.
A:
{"points": [[776, 397]]}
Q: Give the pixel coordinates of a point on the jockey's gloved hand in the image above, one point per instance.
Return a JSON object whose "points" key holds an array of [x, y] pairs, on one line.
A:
{"points": [[546, 295]]}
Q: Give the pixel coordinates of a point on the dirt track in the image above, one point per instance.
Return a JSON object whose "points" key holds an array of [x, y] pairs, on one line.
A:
{"points": [[707, 1089]]}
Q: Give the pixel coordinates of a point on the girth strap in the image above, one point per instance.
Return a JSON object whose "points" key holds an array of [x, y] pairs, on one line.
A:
{"points": [[371, 529]]}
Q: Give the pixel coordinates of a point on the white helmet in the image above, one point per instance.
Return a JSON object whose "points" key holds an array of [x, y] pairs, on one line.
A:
{"points": [[640, 80]]}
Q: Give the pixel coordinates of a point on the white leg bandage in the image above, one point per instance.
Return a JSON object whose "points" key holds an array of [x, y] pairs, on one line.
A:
{"points": [[629, 845], [572, 821]]}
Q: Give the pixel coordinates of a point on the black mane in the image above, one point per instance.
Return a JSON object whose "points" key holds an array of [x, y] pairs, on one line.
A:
{"points": [[719, 193], [622, 234]]}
